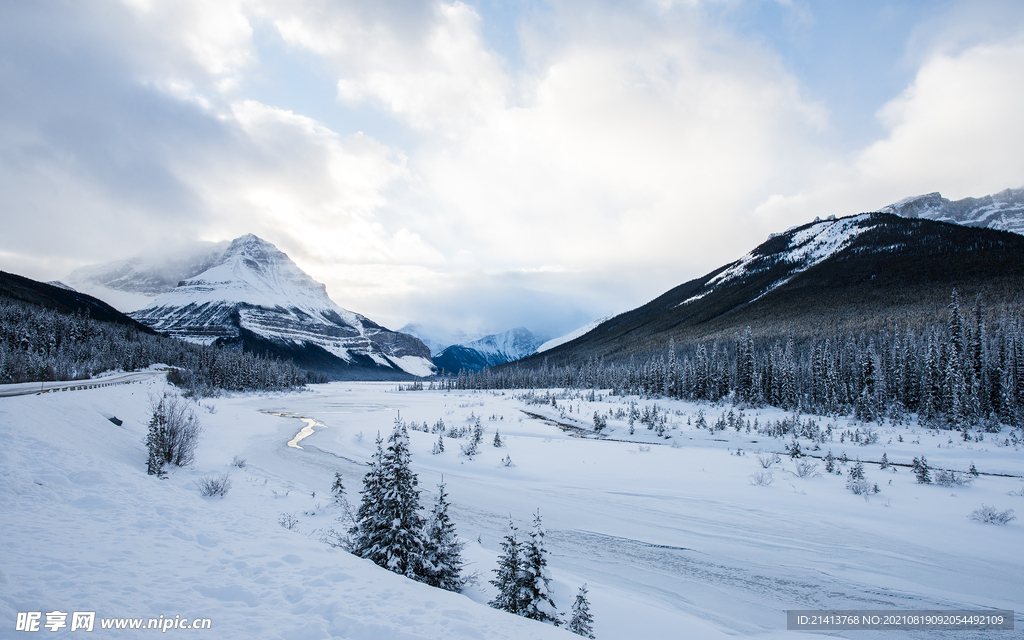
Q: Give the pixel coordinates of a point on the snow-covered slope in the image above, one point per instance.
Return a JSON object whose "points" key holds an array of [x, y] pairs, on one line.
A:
{"points": [[255, 292], [133, 284], [58, 283], [488, 351], [569, 337], [803, 248], [1003, 210]]}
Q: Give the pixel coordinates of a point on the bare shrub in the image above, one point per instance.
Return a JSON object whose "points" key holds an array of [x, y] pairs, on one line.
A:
{"points": [[858, 486], [806, 469], [952, 479], [210, 486], [173, 434], [238, 462], [766, 460], [288, 521], [762, 478], [335, 538], [991, 515]]}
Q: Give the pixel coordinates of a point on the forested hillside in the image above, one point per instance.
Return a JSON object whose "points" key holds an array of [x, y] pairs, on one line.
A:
{"points": [[967, 372], [38, 343]]}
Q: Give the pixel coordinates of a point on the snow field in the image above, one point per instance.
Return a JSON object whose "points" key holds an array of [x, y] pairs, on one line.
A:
{"points": [[85, 529], [670, 535]]}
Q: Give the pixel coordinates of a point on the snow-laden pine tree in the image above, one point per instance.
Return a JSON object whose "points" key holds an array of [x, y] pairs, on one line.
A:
{"points": [[509, 574], [442, 556], [338, 488], [389, 528], [537, 600], [366, 530], [582, 621], [156, 439]]}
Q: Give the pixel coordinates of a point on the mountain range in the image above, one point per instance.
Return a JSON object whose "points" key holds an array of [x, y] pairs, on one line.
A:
{"points": [[892, 265], [869, 271], [488, 351], [1003, 210]]}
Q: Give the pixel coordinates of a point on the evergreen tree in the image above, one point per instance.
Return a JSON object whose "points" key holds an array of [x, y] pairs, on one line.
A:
{"points": [[497, 439], [922, 471], [582, 621], [443, 550], [884, 464], [368, 525], [857, 471], [390, 528], [338, 488], [538, 603], [156, 444], [439, 445], [509, 578]]}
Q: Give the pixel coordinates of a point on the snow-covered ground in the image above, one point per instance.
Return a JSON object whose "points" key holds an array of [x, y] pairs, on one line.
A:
{"points": [[670, 534]]}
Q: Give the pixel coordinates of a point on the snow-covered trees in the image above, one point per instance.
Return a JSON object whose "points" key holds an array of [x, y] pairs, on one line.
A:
{"points": [[922, 471], [965, 371], [173, 434], [509, 575], [338, 489], [582, 621], [43, 344], [442, 556], [538, 603], [522, 579], [389, 530]]}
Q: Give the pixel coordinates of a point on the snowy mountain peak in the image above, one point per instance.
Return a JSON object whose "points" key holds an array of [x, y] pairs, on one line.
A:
{"points": [[254, 295], [254, 271], [1003, 210]]}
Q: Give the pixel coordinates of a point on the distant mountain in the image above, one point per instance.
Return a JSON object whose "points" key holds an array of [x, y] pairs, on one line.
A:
{"points": [[847, 275], [254, 297], [1003, 210], [62, 299], [438, 338], [135, 283], [488, 351]]}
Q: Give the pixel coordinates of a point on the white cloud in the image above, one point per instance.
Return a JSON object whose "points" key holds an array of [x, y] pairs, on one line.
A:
{"points": [[620, 152], [434, 75], [956, 129]]}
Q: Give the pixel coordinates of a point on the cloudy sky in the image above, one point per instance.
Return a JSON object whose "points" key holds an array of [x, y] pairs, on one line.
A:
{"points": [[483, 165]]}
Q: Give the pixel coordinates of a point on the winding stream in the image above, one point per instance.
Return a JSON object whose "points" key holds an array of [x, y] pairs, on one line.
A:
{"points": [[310, 423]]}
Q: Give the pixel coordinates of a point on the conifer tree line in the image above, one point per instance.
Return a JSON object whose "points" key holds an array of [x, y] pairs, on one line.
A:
{"points": [[967, 372], [40, 344], [389, 529]]}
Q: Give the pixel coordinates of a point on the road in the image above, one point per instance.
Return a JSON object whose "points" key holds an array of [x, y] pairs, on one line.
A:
{"points": [[28, 388]]}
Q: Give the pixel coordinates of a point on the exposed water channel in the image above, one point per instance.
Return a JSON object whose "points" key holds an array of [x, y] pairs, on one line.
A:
{"points": [[310, 423]]}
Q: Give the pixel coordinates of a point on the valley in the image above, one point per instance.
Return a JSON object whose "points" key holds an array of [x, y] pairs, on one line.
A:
{"points": [[669, 532]]}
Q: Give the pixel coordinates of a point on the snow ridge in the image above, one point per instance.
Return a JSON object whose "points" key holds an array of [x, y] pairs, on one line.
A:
{"points": [[806, 247], [569, 337], [1003, 211]]}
